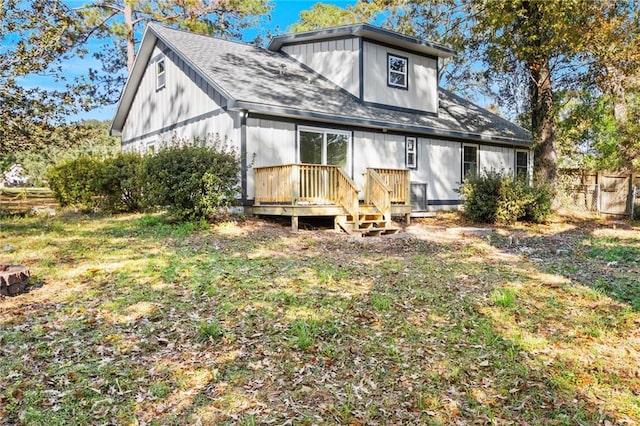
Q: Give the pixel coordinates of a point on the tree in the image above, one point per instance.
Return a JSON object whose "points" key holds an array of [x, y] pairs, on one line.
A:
{"points": [[322, 16], [536, 42], [119, 23], [35, 37]]}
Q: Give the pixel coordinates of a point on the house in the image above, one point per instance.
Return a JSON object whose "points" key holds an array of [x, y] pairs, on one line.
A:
{"points": [[14, 176], [347, 122]]}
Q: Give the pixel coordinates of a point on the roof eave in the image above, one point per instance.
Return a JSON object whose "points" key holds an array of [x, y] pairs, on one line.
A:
{"points": [[366, 31], [133, 80], [378, 124]]}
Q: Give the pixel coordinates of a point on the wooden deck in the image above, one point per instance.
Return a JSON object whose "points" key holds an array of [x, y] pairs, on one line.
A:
{"points": [[299, 190]]}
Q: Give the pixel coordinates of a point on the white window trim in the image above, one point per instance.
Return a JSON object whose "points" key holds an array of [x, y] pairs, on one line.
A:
{"points": [[324, 132], [411, 142], [159, 74], [515, 161], [151, 148], [477, 147], [405, 73]]}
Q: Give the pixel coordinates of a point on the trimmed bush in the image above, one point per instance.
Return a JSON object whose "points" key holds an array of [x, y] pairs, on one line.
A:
{"points": [[74, 182], [120, 183], [495, 197], [193, 180]]}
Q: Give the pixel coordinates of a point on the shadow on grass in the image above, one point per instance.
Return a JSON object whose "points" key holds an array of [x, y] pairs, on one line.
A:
{"points": [[594, 255], [306, 328]]}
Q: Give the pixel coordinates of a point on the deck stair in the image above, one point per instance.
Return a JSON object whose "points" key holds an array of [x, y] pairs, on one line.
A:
{"points": [[371, 222]]}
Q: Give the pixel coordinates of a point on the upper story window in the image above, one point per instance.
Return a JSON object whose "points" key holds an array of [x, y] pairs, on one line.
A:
{"points": [[411, 148], [160, 74], [469, 160], [522, 165], [397, 71]]}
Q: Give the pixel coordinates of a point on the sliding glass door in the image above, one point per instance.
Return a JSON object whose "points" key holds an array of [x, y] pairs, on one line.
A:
{"points": [[324, 146], [321, 147]]}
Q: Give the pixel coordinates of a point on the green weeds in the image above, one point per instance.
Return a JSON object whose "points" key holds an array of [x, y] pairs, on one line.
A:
{"points": [[143, 320]]}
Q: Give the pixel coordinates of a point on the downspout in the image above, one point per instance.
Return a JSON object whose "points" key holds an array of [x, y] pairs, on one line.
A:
{"points": [[243, 155]]}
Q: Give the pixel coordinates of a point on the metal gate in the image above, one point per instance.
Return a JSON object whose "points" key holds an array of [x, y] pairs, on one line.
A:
{"points": [[614, 194]]}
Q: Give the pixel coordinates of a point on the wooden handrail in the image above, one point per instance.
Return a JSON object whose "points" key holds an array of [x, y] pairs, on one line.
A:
{"points": [[399, 182], [347, 196], [378, 193], [302, 183]]}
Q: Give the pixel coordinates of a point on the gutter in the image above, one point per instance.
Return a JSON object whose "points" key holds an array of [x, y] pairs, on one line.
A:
{"points": [[375, 124]]}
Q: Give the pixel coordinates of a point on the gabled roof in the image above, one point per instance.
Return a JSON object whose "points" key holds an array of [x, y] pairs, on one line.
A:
{"points": [[262, 81], [364, 31]]}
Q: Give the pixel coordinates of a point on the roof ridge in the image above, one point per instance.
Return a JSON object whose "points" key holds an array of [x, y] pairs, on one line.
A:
{"points": [[193, 33]]}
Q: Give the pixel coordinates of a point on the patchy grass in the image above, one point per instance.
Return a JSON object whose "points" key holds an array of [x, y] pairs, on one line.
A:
{"points": [[136, 320]]}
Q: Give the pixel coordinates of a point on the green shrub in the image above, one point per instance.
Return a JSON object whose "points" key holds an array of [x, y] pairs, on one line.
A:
{"points": [[539, 203], [120, 183], [74, 182], [192, 180], [496, 197]]}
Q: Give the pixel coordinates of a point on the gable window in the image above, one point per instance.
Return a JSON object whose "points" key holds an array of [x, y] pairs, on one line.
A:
{"points": [[160, 74], [397, 71], [411, 147], [324, 146], [469, 160], [522, 165]]}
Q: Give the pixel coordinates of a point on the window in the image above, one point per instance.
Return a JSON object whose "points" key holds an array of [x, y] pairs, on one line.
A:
{"points": [[160, 74], [469, 160], [323, 146], [522, 165], [151, 149], [397, 71], [411, 151]]}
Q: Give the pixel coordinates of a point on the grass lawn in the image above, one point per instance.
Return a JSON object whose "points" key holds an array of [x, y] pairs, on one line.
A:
{"points": [[136, 321]]}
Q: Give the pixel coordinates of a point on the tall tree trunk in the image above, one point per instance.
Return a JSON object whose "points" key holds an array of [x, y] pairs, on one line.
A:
{"points": [[615, 87], [542, 121], [128, 23]]}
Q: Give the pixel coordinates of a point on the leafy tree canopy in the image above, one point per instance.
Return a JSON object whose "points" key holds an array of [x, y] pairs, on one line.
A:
{"points": [[38, 36]]}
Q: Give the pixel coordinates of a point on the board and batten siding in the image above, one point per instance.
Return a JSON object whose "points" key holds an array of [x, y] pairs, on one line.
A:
{"points": [[337, 60], [186, 107], [443, 162], [422, 92], [371, 149], [269, 143], [497, 159]]}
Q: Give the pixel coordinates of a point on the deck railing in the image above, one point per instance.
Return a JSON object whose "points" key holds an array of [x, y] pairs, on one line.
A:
{"points": [[399, 183], [378, 193], [305, 184]]}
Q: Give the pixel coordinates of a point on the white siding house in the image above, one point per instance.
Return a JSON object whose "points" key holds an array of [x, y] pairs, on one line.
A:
{"points": [[350, 100]]}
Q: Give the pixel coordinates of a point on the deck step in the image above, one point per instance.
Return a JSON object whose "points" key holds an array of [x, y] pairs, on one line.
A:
{"points": [[370, 223]]}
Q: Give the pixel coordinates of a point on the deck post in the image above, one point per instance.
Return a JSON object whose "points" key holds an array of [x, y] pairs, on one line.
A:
{"points": [[294, 223], [295, 185], [407, 194]]}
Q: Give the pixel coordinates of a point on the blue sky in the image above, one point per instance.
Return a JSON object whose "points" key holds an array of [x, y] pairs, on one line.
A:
{"points": [[284, 14]]}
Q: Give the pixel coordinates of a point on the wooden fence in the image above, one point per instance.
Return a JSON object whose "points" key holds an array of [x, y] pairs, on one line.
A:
{"points": [[608, 193], [25, 200]]}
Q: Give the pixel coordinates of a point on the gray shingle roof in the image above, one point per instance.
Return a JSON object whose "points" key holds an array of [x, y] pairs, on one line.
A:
{"points": [[270, 82]]}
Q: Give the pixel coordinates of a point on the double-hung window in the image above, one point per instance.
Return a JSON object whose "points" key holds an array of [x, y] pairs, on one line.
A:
{"points": [[469, 160], [160, 74], [411, 148], [522, 165], [397, 71]]}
